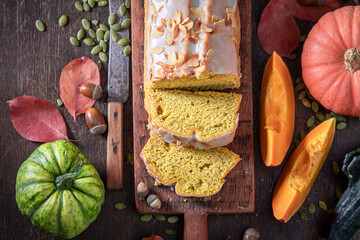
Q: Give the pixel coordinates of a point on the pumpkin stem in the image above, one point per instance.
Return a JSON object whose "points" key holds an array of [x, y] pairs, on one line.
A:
{"points": [[65, 182], [352, 59]]}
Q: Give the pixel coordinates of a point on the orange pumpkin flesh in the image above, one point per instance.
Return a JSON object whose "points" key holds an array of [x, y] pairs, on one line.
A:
{"points": [[301, 170], [277, 111], [330, 61]]}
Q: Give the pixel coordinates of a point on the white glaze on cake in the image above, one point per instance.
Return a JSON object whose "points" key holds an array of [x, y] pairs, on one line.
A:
{"points": [[217, 50], [194, 141]]}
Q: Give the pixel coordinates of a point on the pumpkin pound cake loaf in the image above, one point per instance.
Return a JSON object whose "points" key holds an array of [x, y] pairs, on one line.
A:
{"points": [[198, 119], [195, 173], [192, 44]]}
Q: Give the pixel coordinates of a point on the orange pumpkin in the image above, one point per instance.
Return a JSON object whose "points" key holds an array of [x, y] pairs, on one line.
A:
{"points": [[331, 60]]}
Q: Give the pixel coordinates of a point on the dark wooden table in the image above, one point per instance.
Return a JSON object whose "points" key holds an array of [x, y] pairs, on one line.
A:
{"points": [[31, 63]]}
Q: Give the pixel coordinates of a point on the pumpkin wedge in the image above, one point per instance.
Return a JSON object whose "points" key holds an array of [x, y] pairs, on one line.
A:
{"points": [[301, 170], [277, 111]]}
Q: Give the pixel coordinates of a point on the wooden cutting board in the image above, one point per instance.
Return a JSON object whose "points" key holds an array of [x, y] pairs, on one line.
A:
{"points": [[238, 192]]}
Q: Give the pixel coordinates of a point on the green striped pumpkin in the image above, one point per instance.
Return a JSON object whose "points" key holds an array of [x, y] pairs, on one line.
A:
{"points": [[59, 190]]}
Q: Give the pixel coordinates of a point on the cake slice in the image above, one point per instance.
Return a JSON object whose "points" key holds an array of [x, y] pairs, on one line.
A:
{"points": [[199, 119], [192, 44], [195, 173]]}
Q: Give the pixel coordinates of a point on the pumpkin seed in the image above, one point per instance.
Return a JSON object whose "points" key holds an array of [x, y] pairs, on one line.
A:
{"points": [[95, 22], [114, 37], [128, 3], [103, 45], [303, 37], [302, 94], [303, 216], [315, 106], [322, 205], [292, 56], [120, 206], [116, 27], [312, 127], [341, 126], [99, 34], [95, 50], [103, 57], [89, 42], [327, 116], [107, 36], [311, 208], [122, 9], [310, 121], [59, 102], [299, 79], [74, 41], [40, 25], [330, 211], [103, 27], [302, 134], [335, 167], [126, 23], [306, 103], [332, 114], [320, 116], [146, 217], [127, 50], [160, 217], [112, 19], [91, 3], [173, 219], [85, 1], [92, 33], [169, 231], [299, 86], [85, 23], [98, 63], [339, 118], [338, 192], [79, 6], [124, 42], [86, 7], [102, 3], [80, 34], [63, 20]]}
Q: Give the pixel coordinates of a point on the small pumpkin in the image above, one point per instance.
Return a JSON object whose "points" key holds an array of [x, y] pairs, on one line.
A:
{"points": [[58, 190], [331, 60]]}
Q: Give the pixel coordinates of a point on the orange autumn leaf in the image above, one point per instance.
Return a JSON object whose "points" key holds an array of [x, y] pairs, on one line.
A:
{"points": [[73, 75]]}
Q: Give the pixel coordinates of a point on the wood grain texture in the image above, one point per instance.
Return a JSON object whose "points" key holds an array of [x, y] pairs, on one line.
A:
{"points": [[237, 194], [31, 63], [115, 147]]}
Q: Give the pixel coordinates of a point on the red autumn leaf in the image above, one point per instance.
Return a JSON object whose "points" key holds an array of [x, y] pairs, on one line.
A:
{"points": [[153, 237], [77, 72], [309, 13], [277, 30], [36, 119]]}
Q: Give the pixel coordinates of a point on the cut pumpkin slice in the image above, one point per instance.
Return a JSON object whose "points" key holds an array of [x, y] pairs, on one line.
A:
{"points": [[301, 170], [277, 111]]}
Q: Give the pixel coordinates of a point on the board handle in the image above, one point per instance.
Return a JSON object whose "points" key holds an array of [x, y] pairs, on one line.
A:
{"points": [[115, 151], [195, 226]]}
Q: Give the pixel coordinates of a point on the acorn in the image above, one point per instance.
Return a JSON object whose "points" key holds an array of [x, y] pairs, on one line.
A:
{"points": [[95, 121], [142, 190], [153, 201], [251, 234], [91, 90]]}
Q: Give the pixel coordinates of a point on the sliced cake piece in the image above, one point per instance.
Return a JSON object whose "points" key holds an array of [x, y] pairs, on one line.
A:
{"points": [[192, 44], [194, 172], [198, 119]]}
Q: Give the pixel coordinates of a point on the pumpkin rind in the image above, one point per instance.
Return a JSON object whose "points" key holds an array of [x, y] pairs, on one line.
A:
{"points": [[56, 211], [323, 64]]}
